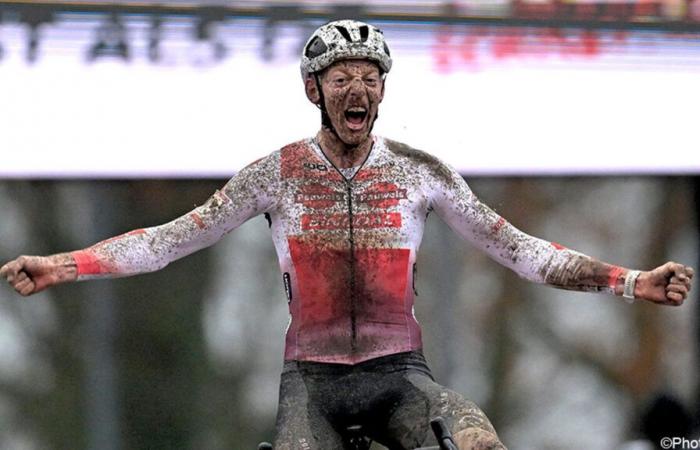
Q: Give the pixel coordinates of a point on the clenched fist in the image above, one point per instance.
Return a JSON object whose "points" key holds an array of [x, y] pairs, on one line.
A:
{"points": [[31, 274], [667, 285]]}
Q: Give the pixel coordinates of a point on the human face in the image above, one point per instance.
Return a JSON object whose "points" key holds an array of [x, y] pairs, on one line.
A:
{"points": [[352, 90]]}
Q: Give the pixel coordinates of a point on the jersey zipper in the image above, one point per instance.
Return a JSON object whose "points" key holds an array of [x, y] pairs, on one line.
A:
{"points": [[353, 287], [351, 240]]}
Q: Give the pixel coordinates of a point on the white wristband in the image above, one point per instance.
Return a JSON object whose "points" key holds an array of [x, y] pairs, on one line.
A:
{"points": [[630, 284]]}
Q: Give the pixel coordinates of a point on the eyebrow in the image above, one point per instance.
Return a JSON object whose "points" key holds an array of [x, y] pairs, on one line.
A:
{"points": [[346, 70]]}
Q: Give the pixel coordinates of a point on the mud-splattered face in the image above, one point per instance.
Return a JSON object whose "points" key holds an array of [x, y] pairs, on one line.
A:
{"points": [[352, 91]]}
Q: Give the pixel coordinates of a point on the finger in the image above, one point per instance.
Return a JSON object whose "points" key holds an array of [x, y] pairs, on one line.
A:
{"points": [[27, 290], [680, 288], [677, 269], [674, 297], [9, 270], [22, 275], [19, 285], [677, 280], [683, 277], [690, 272]]}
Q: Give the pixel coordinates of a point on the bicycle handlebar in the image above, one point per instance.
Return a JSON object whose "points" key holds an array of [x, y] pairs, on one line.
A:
{"points": [[443, 435]]}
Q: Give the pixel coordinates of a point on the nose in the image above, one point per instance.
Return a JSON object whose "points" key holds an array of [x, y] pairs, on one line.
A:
{"points": [[357, 87]]}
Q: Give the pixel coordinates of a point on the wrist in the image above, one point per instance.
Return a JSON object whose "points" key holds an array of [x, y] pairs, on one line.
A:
{"points": [[616, 280], [65, 267], [640, 285], [630, 290]]}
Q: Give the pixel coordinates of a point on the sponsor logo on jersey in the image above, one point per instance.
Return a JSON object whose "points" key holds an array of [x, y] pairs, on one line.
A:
{"points": [[298, 161], [318, 196], [382, 195], [342, 221], [315, 166], [287, 286]]}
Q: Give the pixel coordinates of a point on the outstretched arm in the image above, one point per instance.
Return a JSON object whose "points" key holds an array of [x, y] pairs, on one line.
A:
{"points": [[247, 194], [546, 262]]}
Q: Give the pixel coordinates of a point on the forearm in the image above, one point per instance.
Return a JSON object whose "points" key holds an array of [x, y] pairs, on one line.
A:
{"points": [[546, 262], [550, 263], [577, 272], [65, 267], [124, 255]]}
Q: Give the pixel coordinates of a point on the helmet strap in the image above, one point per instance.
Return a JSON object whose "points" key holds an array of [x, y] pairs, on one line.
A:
{"points": [[325, 118]]}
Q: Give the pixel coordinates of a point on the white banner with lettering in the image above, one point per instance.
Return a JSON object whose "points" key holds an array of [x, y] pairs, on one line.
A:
{"points": [[486, 100]]}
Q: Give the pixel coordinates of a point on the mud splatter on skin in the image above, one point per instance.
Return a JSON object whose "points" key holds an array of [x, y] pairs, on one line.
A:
{"points": [[478, 439], [348, 84], [582, 273]]}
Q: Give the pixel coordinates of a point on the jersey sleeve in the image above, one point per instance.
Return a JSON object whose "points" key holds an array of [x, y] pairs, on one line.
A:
{"points": [[247, 194], [531, 258]]}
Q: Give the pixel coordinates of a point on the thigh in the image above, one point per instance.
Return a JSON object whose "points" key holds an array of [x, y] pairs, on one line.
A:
{"points": [[300, 424], [423, 400]]}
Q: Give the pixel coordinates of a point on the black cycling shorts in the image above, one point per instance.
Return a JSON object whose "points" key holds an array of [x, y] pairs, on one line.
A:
{"points": [[393, 398]]}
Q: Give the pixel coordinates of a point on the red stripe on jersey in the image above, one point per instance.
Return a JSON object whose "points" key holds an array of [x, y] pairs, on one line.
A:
{"points": [[616, 272], [87, 263], [298, 160], [291, 159], [198, 220], [558, 246]]}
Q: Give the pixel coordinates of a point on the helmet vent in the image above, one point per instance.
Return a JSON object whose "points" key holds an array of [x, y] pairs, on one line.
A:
{"points": [[386, 50], [364, 33], [315, 48], [344, 32]]}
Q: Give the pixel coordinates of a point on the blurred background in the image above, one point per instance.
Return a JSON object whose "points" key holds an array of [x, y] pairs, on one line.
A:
{"points": [[575, 119]]}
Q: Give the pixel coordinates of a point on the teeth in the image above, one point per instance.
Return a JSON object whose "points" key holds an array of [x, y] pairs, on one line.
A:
{"points": [[357, 109]]}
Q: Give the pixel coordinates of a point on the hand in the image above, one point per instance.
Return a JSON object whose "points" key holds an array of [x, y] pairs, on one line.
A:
{"points": [[667, 285], [31, 274]]}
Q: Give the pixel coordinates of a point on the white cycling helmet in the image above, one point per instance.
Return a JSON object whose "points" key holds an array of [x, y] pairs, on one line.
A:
{"points": [[344, 39]]}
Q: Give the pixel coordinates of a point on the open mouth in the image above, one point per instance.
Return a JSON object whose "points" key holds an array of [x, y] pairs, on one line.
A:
{"points": [[355, 117]]}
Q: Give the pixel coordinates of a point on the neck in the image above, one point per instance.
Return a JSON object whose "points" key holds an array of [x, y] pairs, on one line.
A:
{"points": [[341, 154]]}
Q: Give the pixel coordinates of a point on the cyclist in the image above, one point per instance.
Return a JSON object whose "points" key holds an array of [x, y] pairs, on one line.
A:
{"points": [[346, 211]]}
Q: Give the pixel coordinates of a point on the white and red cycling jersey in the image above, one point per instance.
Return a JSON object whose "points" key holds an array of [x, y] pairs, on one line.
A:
{"points": [[347, 241]]}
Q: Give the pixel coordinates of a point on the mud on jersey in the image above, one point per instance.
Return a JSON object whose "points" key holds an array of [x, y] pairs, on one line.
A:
{"points": [[346, 246]]}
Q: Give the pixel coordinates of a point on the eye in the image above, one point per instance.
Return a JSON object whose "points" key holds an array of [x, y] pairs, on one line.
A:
{"points": [[371, 81], [339, 81]]}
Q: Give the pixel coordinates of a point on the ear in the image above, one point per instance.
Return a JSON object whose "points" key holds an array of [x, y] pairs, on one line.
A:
{"points": [[311, 88]]}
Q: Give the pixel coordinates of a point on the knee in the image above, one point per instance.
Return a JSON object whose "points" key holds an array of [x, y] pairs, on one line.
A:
{"points": [[477, 439]]}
